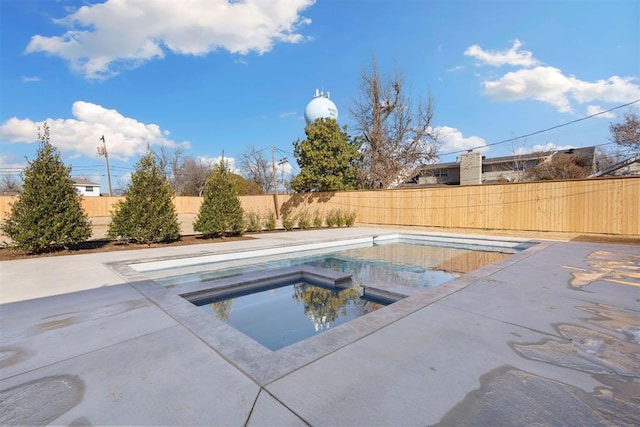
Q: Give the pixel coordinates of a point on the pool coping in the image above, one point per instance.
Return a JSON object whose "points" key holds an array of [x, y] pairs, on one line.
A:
{"points": [[264, 366], [198, 291]]}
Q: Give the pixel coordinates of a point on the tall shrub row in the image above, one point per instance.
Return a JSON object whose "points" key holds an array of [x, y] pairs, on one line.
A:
{"points": [[48, 215]]}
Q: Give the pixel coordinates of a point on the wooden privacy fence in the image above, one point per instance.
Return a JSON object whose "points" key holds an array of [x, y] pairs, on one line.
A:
{"points": [[598, 206], [264, 203], [102, 206]]}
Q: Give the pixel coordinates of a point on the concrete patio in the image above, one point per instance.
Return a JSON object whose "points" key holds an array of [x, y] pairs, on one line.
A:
{"points": [[548, 336]]}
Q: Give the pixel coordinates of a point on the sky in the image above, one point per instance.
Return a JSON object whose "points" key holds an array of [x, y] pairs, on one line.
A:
{"points": [[216, 77]]}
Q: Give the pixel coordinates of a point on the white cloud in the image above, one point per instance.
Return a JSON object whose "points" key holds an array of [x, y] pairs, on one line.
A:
{"points": [[547, 83], [512, 56], [452, 140], [101, 39], [30, 79], [595, 109], [538, 148], [613, 89], [125, 137]]}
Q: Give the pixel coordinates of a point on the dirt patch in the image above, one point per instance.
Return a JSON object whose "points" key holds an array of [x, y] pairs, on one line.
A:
{"points": [[607, 239], [103, 245]]}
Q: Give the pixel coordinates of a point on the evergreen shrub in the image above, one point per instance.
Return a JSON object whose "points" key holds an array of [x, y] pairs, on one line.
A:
{"points": [[253, 221], [221, 212], [288, 221], [304, 219], [147, 214], [270, 220], [48, 215], [317, 219]]}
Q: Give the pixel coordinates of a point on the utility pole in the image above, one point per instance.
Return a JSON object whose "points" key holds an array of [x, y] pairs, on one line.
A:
{"points": [[275, 180], [102, 151], [282, 162]]}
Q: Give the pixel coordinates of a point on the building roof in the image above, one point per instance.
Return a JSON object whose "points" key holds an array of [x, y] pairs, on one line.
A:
{"points": [[84, 181], [584, 152]]}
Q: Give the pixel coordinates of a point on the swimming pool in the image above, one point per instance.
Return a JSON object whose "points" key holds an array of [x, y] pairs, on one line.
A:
{"points": [[392, 267], [279, 310]]}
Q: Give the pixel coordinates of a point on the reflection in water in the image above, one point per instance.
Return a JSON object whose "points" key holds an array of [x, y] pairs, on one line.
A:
{"points": [[222, 309], [414, 265], [426, 257], [281, 316], [370, 272], [323, 306]]}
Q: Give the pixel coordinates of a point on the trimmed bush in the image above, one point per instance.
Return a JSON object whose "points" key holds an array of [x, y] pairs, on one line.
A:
{"points": [[341, 219], [270, 220], [220, 212], [350, 218], [253, 222], [317, 218], [48, 215], [288, 221], [147, 213], [304, 219], [331, 218]]}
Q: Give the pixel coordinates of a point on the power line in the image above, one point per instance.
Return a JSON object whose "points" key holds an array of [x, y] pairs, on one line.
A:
{"points": [[543, 130]]}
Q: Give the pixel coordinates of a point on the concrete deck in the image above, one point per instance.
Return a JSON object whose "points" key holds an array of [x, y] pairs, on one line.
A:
{"points": [[549, 336]]}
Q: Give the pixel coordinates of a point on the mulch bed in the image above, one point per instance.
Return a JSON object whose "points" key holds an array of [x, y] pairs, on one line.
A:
{"points": [[97, 246]]}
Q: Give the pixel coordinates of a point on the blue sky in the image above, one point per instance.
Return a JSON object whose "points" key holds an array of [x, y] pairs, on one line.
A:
{"points": [[213, 76]]}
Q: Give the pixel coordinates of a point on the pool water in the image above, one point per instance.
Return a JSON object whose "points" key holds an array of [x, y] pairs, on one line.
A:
{"points": [[415, 265], [287, 313]]}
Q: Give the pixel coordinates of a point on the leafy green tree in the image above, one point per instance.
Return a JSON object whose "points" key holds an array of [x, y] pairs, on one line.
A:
{"points": [[244, 187], [48, 215], [147, 213], [220, 213], [326, 157]]}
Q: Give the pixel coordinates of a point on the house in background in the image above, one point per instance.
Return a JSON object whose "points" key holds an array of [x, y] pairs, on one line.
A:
{"points": [[625, 167], [86, 188], [473, 168]]}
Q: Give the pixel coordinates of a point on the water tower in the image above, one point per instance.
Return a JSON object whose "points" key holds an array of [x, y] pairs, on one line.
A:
{"points": [[320, 107]]}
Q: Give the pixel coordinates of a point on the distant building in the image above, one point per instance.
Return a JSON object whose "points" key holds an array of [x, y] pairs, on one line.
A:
{"points": [[473, 168], [86, 188], [625, 167]]}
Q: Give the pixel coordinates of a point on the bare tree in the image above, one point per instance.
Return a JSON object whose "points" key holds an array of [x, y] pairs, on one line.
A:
{"points": [[627, 132], [171, 163], [256, 168], [557, 166], [10, 185], [606, 158], [399, 136], [193, 174], [120, 187]]}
